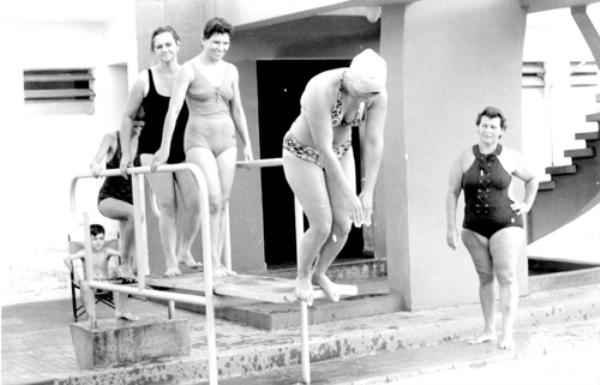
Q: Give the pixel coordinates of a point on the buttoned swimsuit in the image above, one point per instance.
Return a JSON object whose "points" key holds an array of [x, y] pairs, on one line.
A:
{"points": [[311, 154], [210, 124], [155, 107], [116, 187], [487, 204]]}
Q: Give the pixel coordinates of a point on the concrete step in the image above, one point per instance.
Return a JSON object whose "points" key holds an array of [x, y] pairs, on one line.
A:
{"points": [[547, 185], [587, 152], [458, 362], [369, 275], [372, 299], [593, 117], [243, 351], [561, 275], [561, 170], [594, 135], [349, 270]]}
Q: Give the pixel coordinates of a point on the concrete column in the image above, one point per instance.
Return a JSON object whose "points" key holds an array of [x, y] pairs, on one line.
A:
{"points": [[446, 62]]}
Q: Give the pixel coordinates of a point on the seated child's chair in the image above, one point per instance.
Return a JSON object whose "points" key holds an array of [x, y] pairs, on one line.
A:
{"points": [[103, 296]]}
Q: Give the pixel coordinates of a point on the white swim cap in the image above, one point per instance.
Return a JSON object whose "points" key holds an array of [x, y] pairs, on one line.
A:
{"points": [[370, 70]]}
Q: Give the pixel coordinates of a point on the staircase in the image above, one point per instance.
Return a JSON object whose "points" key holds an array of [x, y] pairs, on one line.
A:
{"points": [[573, 189]]}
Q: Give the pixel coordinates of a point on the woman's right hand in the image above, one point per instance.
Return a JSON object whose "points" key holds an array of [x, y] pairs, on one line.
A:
{"points": [[452, 238], [160, 157], [354, 209], [96, 168]]}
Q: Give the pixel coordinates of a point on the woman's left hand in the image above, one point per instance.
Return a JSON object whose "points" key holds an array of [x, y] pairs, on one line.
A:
{"points": [[520, 207], [248, 156], [366, 200]]}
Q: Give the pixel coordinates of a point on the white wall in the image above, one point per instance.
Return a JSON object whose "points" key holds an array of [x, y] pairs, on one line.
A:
{"points": [[42, 151]]}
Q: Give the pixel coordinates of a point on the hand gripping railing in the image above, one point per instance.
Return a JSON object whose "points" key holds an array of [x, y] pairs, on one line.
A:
{"points": [[137, 181]]}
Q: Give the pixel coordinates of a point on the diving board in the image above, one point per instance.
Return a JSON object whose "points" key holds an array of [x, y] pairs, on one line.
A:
{"points": [[257, 288]]}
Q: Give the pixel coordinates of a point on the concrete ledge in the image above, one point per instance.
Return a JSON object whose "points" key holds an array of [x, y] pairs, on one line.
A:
{"points": [[117, 342], [346, 340]]}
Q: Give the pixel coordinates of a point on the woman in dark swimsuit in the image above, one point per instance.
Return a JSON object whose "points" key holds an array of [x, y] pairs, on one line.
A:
{"points": [[114, 198], [493, 227], [319, 163], [176, 193]]}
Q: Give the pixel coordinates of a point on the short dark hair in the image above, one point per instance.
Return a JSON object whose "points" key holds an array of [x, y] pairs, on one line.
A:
{"points": [[217, 25], [159, 30], [96, 229], [492, 112]]}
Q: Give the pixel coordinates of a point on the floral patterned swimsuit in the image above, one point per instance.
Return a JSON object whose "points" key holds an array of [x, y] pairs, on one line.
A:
{"points": [[311, 154]]}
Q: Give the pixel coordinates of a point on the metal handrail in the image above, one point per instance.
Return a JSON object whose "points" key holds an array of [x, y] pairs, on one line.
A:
{"points": [[260, 163], [141, 250], [137, 174]]}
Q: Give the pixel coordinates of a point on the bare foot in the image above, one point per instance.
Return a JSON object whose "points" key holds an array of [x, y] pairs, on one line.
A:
{"points": [[126, 316], [172, 272], [125, 271], [189, 261], [219, 271], [304, 290], [507, 342], [330, 288], [484, 337]]}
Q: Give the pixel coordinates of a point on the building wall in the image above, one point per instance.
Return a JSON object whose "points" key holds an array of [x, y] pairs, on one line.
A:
{"points": [[46, 145], [447, 61]]}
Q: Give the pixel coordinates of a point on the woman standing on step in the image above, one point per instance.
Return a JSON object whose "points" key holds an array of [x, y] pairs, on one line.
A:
{"points": [[210, 85], [176, 192], [493, 227], [319, 163]]}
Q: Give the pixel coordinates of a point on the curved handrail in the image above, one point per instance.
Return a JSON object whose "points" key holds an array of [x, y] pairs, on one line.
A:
{"points": [[195, 170]]}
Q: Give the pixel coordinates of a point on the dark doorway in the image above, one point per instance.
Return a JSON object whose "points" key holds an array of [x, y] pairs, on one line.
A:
{"points": [[280, 84]]}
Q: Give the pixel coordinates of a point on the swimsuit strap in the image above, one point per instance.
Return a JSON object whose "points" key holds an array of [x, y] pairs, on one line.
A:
{"points": [[152, 85], [337, 110], [479, 155]]}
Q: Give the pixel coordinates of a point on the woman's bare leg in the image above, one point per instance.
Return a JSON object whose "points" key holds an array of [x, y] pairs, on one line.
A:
{"points": [[205, 159], [307, 181], [123, 212], [339, 232], [188, 214], [226, 164], [478, 248], [505, 246]]}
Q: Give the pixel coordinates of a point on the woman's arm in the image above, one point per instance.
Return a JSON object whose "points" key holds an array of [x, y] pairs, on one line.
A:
{"points": [[371, 145], [106, 147], [525, 173], [134, 102], [316, 103], [182, 82], [454, 189], [239, 117]]}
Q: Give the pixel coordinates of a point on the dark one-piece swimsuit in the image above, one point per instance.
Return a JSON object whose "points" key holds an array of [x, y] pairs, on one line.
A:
{"points": [[487, 204], [116, 187]]}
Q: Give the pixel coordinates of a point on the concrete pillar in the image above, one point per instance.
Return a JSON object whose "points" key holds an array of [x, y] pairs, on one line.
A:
{"points": [[446, 62]]}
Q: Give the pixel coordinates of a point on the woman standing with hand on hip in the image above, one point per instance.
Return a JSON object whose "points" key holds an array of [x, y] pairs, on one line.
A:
{"points": [[319, 163], [210, 86], [493, 225], [176, 193]]}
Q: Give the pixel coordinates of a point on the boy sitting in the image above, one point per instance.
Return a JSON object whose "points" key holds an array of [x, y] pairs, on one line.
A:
{"points": [[103, 268]]}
